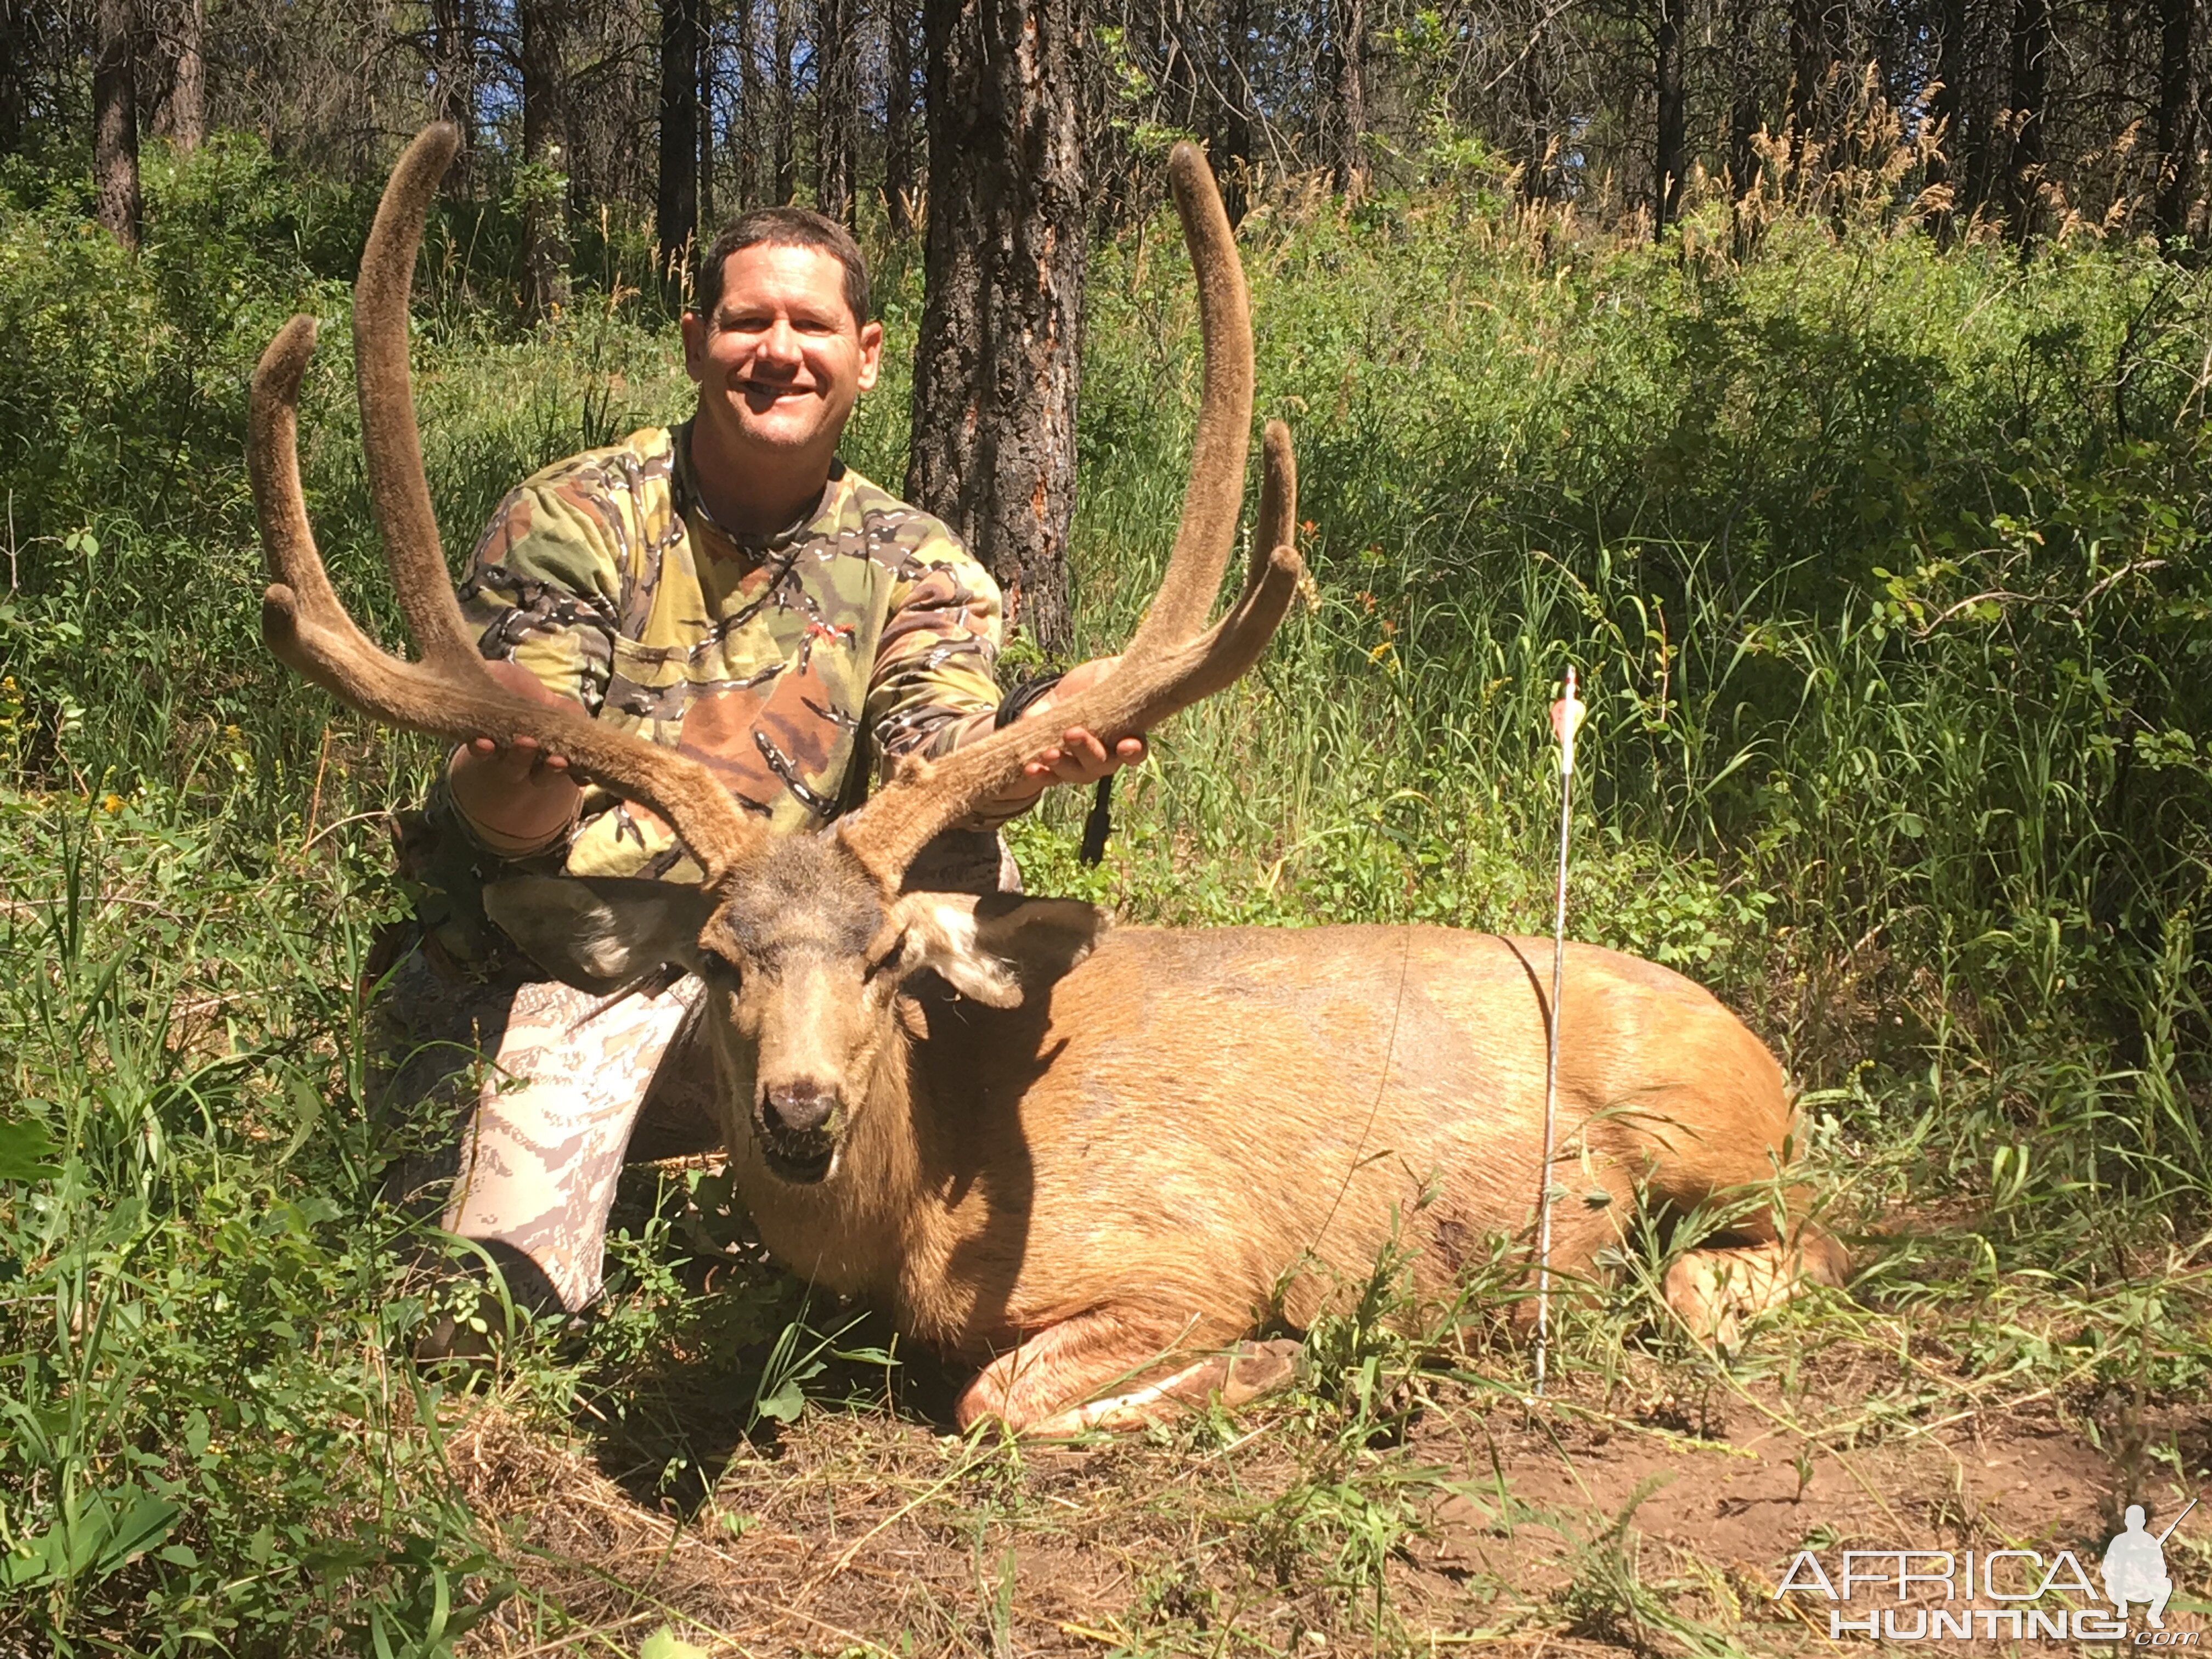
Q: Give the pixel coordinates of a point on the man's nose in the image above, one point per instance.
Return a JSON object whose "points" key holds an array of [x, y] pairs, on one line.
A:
{"points": [[779, 342]]}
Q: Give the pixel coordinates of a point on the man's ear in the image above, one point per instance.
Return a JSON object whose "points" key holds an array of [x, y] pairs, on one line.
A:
{"points": [[871, 354], [997, 949], [596, 933]]}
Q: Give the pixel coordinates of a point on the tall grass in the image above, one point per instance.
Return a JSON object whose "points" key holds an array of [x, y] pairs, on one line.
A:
{"points": [[1884, 568]]}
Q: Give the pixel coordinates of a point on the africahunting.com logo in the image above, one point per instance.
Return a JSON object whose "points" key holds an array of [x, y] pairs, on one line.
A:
{"points": [[1999, 1594]]}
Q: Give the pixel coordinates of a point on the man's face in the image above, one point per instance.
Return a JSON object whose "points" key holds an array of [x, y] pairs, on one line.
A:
{"points": [[784, 359]]}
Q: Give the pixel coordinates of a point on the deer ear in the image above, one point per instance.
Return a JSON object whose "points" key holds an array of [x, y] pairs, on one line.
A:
{"points": [[597, 933], [997, 949]]}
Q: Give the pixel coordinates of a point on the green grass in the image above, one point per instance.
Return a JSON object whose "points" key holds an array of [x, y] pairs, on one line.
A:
{"points": [[1886, 574]]}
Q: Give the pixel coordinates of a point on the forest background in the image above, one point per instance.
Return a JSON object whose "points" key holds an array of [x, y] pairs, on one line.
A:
{"points": [[1827, 381]]}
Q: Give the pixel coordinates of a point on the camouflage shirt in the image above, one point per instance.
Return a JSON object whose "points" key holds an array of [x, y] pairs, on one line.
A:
{"points": [[765, 657]]}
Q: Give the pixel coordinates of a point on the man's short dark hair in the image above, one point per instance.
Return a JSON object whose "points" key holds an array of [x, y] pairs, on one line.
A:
{"points": [[782, 227]]}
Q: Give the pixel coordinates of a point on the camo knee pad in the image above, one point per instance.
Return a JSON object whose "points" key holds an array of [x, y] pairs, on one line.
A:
{"points": [[539, 1160]]}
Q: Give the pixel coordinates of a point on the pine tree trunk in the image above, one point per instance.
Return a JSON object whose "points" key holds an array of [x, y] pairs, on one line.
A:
{"points": [[707, 222], [898, 115], [1232, 150], [2177, 118], [836, 94], [454, 70], [1674, 119], [1346, 72], [787, 102], [1745, 115], [545, 133], [188, 87], [115, 122], [1536, 105], [998, 367], [2031, 48], [1814, 54], [676, 205], [753, 104], [15, 93], [1946, 114]]}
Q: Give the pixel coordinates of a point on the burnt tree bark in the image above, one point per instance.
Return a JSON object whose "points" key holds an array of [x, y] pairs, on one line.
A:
{"points": [[115, 121], [753, 104], [2177, 117], [1816, 56], [2032, 50], [898, 114], [186, 111], [836, 104], [1674, 119], [544, 150], [14, 93], [1537, 116], [453, 72], [1345, 72], [676, 206], [707, 225], [1745, 114], [1947, 164], [1232, 146], [785, 115], [997, 371]]}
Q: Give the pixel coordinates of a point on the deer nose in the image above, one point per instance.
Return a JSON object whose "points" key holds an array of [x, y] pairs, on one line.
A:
{"points": [[800, 1108]]}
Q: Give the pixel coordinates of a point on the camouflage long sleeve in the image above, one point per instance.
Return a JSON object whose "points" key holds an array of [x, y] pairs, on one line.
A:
{"points": [[935, 666], [775, 661]]}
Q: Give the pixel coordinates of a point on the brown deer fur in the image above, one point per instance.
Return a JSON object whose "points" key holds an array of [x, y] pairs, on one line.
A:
{"points": [[1070, 1155]]}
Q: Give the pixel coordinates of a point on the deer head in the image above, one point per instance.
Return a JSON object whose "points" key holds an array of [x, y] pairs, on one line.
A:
{"points": [[802, 941]]}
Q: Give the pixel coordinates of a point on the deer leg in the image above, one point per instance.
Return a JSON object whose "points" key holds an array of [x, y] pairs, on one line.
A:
{"points": [[1716, 1290], [1057, 1381]]}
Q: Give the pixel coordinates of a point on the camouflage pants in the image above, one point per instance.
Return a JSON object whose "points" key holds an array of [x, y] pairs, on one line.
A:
{"points": [[553, 1089]]}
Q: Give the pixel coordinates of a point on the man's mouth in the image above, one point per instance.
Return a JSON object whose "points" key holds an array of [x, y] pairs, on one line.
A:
{"points": [[764, 394]]}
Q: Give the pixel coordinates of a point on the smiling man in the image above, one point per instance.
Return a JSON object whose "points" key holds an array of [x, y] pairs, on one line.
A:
{"points": [[728, 587]]}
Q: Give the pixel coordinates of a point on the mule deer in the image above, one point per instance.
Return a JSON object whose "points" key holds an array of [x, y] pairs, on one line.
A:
{"points": [[1067, 1155]]}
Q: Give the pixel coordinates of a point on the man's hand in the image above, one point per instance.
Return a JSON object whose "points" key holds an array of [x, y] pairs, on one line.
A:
{"points": [[517, 796], [1080, 756]]}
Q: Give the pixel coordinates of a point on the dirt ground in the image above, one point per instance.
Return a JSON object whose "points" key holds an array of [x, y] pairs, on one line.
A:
{"points": [[1621, 1513]]}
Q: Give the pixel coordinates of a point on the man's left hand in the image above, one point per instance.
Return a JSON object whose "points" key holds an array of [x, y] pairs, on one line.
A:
{"points": [[1080, 756]]}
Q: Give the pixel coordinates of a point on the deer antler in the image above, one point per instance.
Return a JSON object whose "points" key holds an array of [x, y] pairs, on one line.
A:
{"points": [[449, 693], [1169, 664]]}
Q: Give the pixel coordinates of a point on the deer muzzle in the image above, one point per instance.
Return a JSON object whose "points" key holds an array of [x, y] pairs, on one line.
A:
{"points": [[799, 1125]]}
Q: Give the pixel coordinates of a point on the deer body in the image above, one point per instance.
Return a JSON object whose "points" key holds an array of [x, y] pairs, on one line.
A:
{"points": [[1195, 1127], [1064, 1154]]}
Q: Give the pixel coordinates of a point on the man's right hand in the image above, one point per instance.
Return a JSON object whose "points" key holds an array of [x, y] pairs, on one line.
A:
{"points": [[517, 796]]}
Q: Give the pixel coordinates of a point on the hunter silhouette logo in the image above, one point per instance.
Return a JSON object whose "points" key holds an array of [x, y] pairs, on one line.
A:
{"points": [[2134, 1566], [2015, 1595]]}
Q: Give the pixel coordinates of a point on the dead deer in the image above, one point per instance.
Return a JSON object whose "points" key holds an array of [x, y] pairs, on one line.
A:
{"points": [[1071, 1157]]}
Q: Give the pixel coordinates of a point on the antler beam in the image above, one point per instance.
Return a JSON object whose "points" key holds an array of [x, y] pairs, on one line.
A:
{"points": [[449, 693], [1169, 664]]}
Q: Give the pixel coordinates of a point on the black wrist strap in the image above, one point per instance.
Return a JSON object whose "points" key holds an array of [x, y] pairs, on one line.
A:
{"points": [[1016, 703], [1100, 823]]}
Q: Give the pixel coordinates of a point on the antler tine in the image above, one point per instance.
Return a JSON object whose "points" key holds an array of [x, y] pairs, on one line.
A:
{"points": [[1168, 664], [450, 694], [399, 489], [1208, 527], [928, 797]]}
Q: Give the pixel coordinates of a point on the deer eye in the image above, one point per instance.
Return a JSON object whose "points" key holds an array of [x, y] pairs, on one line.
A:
{"points": [[719, 971], [891, 958]]}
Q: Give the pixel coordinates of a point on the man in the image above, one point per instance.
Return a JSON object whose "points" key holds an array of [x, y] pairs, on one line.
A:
{"points": [[727, 586], [2134, 1570]]}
